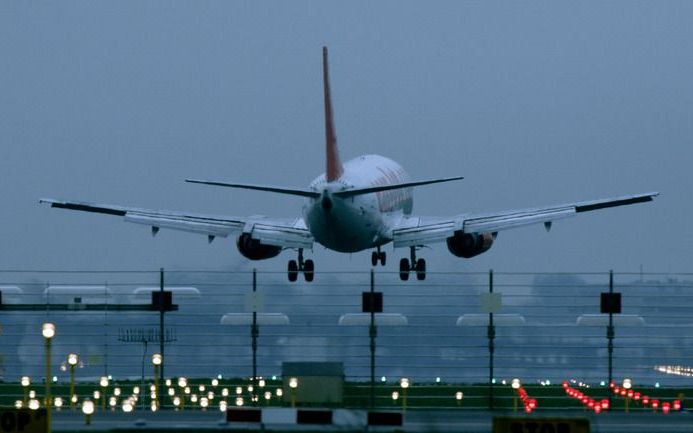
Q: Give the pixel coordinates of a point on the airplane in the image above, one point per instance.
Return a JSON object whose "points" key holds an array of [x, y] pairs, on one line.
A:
{"points": [[362, 204]]}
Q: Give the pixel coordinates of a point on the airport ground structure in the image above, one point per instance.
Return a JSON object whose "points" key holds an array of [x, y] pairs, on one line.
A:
{"points": [[354, 341]]}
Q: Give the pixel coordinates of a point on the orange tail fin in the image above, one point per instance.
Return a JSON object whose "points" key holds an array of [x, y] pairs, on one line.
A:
{"points": [[334, 165]]}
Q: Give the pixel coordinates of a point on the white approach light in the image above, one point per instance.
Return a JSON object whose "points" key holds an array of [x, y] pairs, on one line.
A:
{"points": [[48, 330]]}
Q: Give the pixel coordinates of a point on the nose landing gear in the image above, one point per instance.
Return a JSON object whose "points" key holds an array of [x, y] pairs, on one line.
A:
{"points": [[307, 267], [418, 266], [378, 256]]}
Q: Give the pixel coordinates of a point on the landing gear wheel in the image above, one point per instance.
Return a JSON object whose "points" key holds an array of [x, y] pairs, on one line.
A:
{"points": [[293, 270], [374, 258], [308, 270], [382, 258], [421, 269], [404, 269]]}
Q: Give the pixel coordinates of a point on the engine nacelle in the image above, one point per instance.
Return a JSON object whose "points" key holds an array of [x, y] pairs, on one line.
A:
{"points": [[253, 249], [470, 244]]}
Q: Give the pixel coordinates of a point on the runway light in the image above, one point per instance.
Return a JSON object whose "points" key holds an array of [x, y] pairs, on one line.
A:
{"points": [[239, 401], [171, 392], [268, 395], [103, 381], [176, 401], [168, 382], [182, 382], [215, 382], [18, 404], [33, 404], [383, 379], [666, 406], [116, 392], [223, 406], [279, 392], [459, 395], [48, 330], [404, 383], [293, 383], [128, 406], [201, 388], [239, 390], [136, 390], [225, 392], [395, 395], [515, 383], [437, 379], [26, 381], [261, 383], [677, 405]]}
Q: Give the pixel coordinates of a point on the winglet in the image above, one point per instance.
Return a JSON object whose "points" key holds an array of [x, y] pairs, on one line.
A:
{"points": [[334, 165]]}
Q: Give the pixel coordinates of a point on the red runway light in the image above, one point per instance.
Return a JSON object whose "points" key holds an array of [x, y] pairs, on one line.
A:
{"points": [[630, 393], [636, 396], [597, 409], [645, 400], [655, 404], [605, 404], [666, 406], [677, 404]]}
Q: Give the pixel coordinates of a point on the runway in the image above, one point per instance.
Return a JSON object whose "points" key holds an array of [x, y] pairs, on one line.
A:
{"points": [[418, 421]]}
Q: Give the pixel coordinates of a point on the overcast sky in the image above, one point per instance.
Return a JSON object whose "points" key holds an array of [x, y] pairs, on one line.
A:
{"points": [[535, 103]]}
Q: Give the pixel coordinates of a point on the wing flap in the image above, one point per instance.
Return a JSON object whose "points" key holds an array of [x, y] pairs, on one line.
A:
{"points": [[421, 231], [293, 236], [283, 233]]}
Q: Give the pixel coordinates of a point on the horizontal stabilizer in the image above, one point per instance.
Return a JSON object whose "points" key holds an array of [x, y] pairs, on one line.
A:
{"points": [[280, 190], [368, 190]]}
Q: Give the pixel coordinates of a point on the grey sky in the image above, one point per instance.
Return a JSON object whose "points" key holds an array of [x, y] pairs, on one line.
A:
{"points": [[533, 102]]}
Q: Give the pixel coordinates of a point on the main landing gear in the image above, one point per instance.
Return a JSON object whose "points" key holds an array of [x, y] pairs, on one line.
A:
{"points": [[307, 267], [418, 266], [378, 256]]}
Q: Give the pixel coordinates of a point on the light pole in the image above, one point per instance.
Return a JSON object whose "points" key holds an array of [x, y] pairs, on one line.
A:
{"points": [[104, 385], [157, 359], [293, 384], [26, 381], [404, 383], [48, 332], [88, 410], [515, 384], [627, 385], [72, 360]]}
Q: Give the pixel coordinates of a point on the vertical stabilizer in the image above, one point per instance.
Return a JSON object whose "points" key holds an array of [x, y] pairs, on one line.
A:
{"points": [[334, 165]]}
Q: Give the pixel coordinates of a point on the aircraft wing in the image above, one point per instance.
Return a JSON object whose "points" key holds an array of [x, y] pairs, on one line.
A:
{"points": [[285, 233], [415, 231]]}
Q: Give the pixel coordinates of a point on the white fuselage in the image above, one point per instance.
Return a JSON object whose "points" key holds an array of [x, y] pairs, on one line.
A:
{"points": [[358, 222]]}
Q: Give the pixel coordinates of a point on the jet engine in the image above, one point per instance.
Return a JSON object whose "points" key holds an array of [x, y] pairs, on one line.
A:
{"points": [[470, 244], [253, 249]]}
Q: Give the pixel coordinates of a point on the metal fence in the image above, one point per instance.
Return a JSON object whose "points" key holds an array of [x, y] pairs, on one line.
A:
{"points": [[548, 327]]}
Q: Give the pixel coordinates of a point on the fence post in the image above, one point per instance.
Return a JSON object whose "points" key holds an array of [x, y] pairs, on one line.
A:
{"points": [[162, 310], [372, 332], [254, 333], [610, 336], [491, 337]]}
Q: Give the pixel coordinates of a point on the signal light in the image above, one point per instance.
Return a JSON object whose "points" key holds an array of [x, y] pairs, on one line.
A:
{"points": [[666, 406], [677, 405], [630, 393], [645, 400], [655, 404], [597, 409], [636, 396], [605, 404]]}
